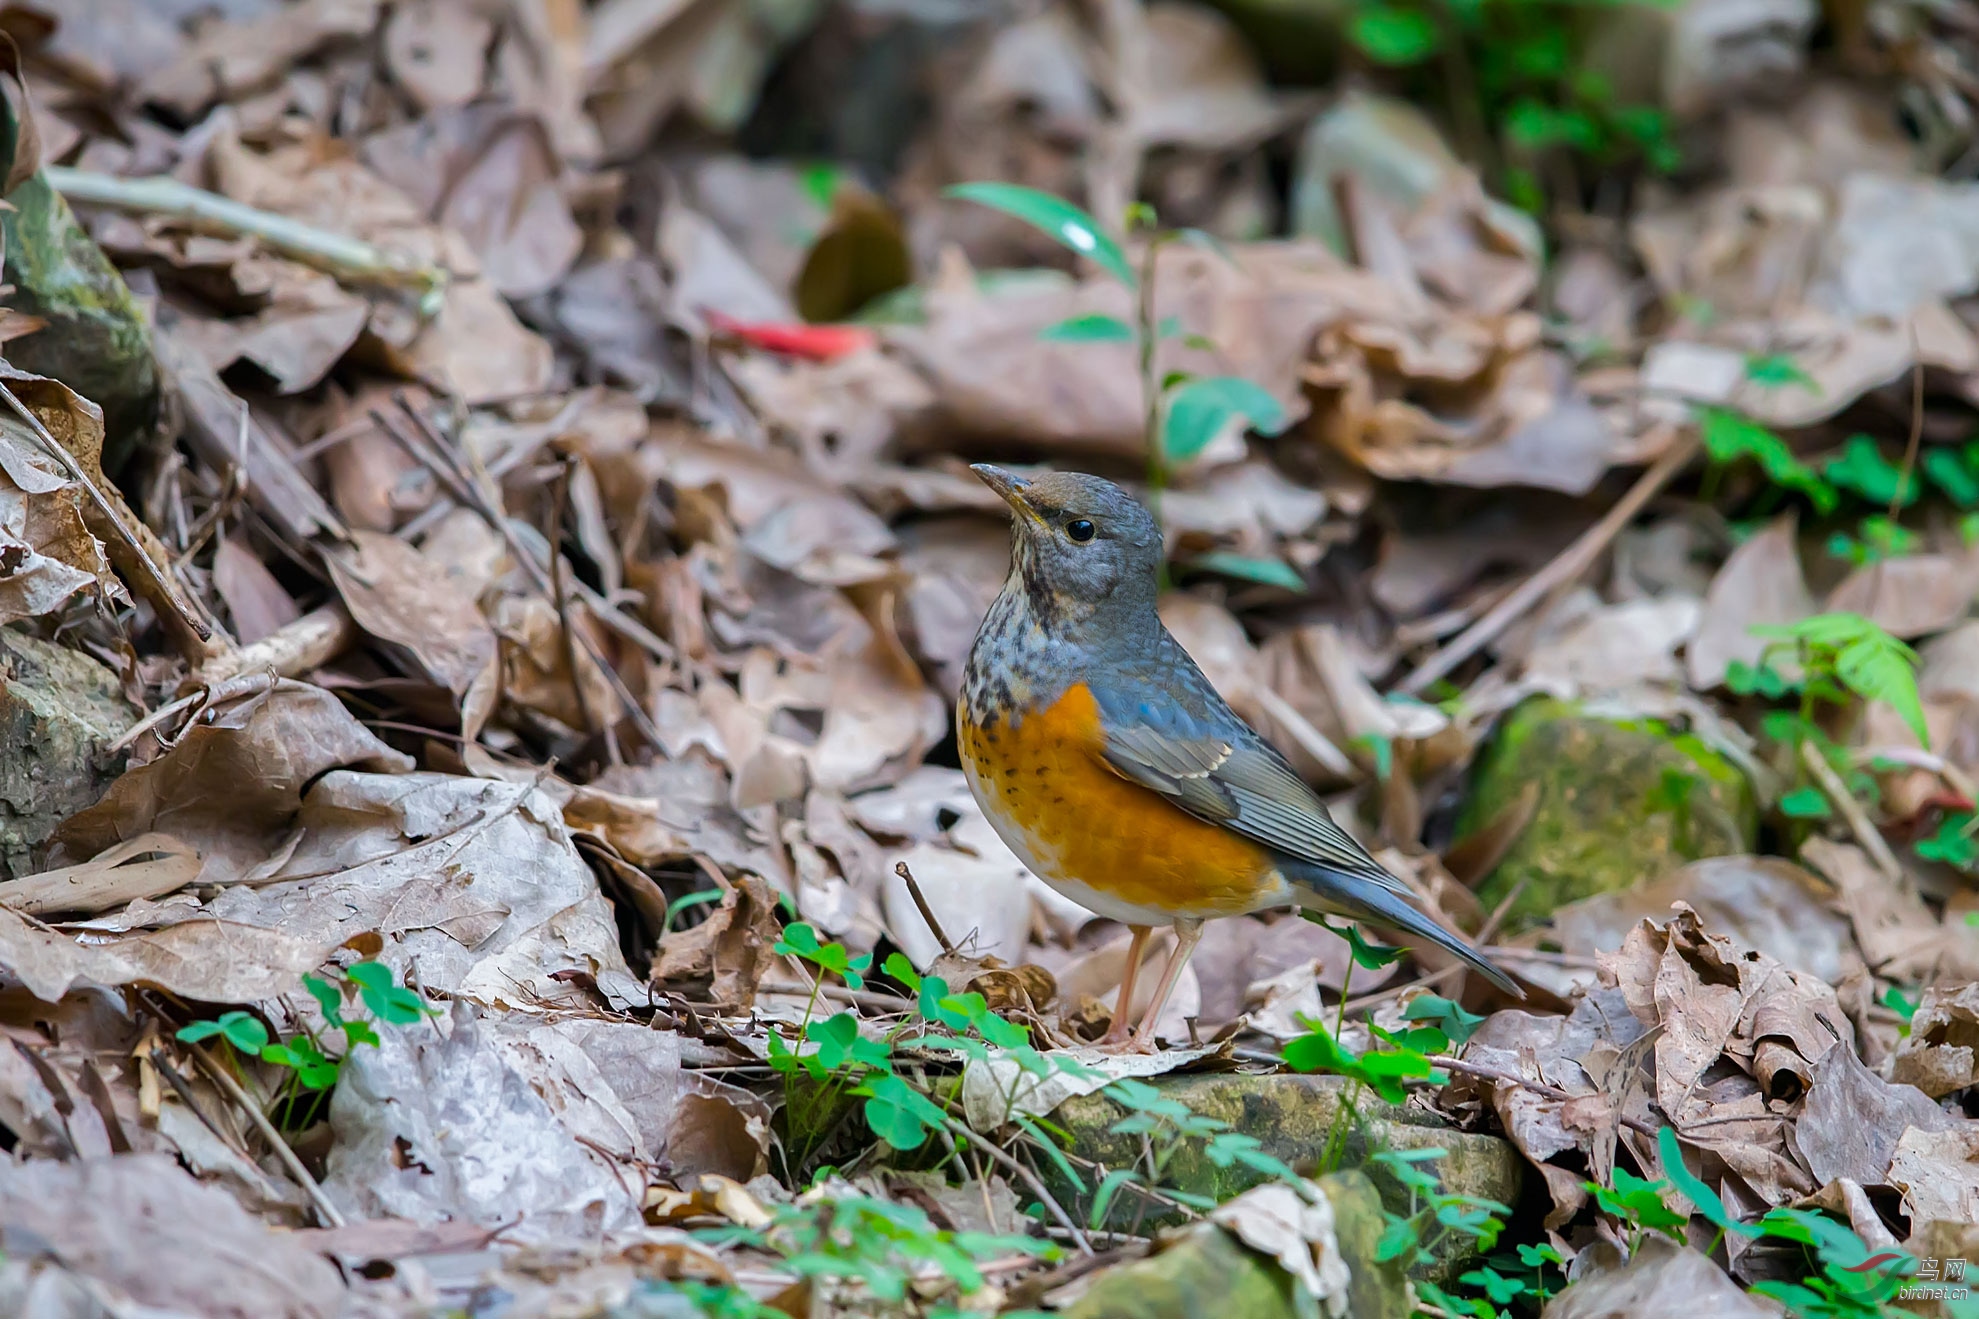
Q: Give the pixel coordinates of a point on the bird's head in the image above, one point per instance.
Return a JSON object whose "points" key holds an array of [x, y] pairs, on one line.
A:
{"points": [[1082, 545]]}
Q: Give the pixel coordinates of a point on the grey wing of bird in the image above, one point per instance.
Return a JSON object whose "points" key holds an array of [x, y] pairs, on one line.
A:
{"points": [[1216, 768]]}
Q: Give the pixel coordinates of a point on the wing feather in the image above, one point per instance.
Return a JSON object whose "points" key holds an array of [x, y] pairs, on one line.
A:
{"points": [[1240, 783]]}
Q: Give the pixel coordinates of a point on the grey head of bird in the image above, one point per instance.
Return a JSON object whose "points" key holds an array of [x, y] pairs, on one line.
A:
{"points": [[1084, 551]]}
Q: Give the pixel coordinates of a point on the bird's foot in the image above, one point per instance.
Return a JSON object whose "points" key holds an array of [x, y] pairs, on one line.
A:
{"points": [[1116, 1038]]}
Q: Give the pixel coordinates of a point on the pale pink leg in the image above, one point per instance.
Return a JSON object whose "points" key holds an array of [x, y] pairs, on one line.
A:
{"points": [[1123, 1007], [1186, 934]]}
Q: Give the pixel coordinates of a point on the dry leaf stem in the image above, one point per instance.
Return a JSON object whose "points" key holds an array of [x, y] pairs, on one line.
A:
{"points": [[167, 600], [1030, 1179], [425, 446], [1851, 811], [1567, 565], [1546, 1088], [349, 259], [921, 904], [325, 1211]]}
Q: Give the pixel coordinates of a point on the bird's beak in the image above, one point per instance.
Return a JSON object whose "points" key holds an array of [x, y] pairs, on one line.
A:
{"points": [[1007, 484]]}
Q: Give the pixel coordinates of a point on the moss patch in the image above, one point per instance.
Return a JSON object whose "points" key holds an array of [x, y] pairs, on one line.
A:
{"points": [[1621, 802], [59, 711], [1209, 1272], [1292, 1116]]}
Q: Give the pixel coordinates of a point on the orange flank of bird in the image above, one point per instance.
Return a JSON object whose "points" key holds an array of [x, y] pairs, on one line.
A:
{"points": [[1040, 775]]}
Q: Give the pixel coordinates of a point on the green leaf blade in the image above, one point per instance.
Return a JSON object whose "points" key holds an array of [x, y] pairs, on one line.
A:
{"points": [[1394, 37], [1199, 410], [1055, 217], [1093, 327], [1263, 571]]}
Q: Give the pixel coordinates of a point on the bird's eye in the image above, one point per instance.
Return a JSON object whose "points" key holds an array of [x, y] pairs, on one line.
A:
{"points": [[1080, 530]]}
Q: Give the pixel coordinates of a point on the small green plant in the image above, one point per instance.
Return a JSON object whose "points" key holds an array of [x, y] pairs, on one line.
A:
{"points": [[1182, 413], [1435, 1215], [1903, 1005], [1852, 1282], [835, 1234], [1953, 844], [1731, 437], [1844, 655], [308, 1069], [1838, 659], [1516, 87], [843, 1062], [1168, 1124]]}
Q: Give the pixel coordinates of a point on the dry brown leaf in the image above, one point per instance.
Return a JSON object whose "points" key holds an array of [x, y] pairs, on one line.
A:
{"points": [[493, 177], [147, 866], [1662, 1278], [400, 598], [1898, 935], [500, 1121], [256, 602], [437, 51], [210, 961], [1940, 1055], [993, 376], [474, 882], [76, 424], [476, 348], [1910, 596], [1937, 1169], [1761, 902], [730, 952], [174, 1244], [232, 784], [228, 59], [47, 553], [1739, 1036], [536, 660], [305, 326], [1576, 1053], [1617, 647], [1760, 584], [1853, 1120]]}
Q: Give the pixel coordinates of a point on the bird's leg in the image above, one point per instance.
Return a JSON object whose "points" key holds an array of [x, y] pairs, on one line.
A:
{"points": [[1186, 934], [1123, 1008]]}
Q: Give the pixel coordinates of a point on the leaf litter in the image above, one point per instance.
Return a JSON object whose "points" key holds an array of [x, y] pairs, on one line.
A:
{"points": [[520, 850]]}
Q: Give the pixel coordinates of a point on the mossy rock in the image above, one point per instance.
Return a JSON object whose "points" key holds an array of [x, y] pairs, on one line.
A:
{"points": [[1210, 1272], [1293, 1118], [1619, 802], [97, 341], [60, 711]]}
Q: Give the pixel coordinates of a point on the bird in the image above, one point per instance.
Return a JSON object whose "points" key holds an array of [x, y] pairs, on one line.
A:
{"points": [[1107, 762]]}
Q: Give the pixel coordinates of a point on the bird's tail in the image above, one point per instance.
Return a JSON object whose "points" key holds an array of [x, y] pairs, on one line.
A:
{"points": [[1362, 900]]}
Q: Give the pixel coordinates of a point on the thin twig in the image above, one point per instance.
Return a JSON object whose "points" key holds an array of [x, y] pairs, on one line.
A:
{"points": [[1857, 819], [1909, 468], [161, 573], [1515, 952], [326, 1211], [1447, 1063], [1918, 758], [921, 902], [1300, 729], [348, 259], [1567, 565], [865, 998], [290, 651], [1029, 1179], [426, 447], [561, 597]]}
